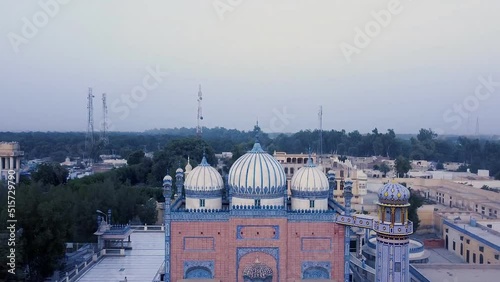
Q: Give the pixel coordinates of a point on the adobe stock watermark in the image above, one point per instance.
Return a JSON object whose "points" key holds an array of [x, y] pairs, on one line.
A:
{"points": [[279, 121], [363, 37], [40, 19], [122, 106], [458, 113], [222, 7]]}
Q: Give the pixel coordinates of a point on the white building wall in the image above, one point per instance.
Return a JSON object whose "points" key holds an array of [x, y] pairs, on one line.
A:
{"points": [[194, 203], [251, 202], [303, 204]]}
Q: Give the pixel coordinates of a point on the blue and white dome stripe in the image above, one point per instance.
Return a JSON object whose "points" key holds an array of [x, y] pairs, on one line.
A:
{"points": [[257, 174], [309, 180], [203, 178]]}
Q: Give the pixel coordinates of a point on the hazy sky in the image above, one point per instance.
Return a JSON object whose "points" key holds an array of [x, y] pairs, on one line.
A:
{"points": [[428, 65]]}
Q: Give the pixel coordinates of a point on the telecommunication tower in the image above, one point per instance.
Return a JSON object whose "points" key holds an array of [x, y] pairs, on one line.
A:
{"points": [[104, 128], [200, 113], [89, 139]]}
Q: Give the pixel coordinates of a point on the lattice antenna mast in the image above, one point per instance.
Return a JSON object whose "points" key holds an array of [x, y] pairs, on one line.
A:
{"points": [[200, 113], [320, 117], [104, 128], [89, 140]]}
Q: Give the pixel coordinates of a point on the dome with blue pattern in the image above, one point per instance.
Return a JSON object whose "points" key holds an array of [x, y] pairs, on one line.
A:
{"points": [[257, 174], [167, 180], [203, 178], [309, 181], [394, 194]]}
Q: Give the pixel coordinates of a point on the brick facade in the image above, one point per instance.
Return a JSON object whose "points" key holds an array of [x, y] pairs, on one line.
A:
{"points": [[282, 245]]}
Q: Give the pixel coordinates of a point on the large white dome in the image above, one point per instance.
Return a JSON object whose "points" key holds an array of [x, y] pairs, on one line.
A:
{"points": [[203, 178], [257, 175], [309, 179]]}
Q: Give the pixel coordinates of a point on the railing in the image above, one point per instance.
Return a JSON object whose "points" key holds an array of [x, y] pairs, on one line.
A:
{"points": [[80, 268], [371, 244], [417, 249], [361, 270], [161, 271], [148, 228]]}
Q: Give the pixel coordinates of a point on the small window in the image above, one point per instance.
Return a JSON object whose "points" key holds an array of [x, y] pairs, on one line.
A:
{"points": [[202, 203], [497, 257], [397, 267], [481, 249], [257, 202], [468, 241], [311, 204]]}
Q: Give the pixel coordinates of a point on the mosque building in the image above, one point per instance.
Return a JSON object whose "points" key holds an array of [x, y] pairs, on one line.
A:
{"points": [[246, 227]]}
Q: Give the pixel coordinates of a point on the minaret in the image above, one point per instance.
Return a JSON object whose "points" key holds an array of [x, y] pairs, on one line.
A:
{"points": [[167, 192], [179, 181], [347, 237], [332, 182], [393, 229]]}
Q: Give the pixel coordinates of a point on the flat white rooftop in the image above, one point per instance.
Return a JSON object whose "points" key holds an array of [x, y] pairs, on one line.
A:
{"points": [[139, 264], [480, 233], [459, 273]]}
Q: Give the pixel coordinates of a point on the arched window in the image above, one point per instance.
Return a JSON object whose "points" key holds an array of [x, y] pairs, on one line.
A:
{"points": [[286, 170], [387, 216], [299, 160], [316, 273], [291, 170], [481, 259], [398, 216], [198, 272]]}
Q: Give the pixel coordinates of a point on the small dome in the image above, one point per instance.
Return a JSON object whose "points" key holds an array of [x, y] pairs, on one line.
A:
{"points": [[188, 167], [257, 270], [394, 193], [179, 170], [257, 174], [310, 180], [203, 178], [167, 180]]}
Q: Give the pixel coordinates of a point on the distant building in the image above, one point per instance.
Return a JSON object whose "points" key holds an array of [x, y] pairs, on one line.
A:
{"points": [[10, 159], [293, 162], [477, 242]]}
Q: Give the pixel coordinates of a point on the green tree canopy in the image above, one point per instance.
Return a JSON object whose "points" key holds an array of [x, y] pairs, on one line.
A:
{"points": [[402, 166]]}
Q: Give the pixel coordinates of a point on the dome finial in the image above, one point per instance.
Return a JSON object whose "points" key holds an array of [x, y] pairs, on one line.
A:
{"points": [[204, 161]]}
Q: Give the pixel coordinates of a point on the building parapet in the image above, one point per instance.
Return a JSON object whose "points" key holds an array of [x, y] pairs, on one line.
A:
{"points": [[472, 235]]}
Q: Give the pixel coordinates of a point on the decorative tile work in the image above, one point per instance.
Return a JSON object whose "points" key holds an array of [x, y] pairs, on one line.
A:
{"points": [[274, 252], [199, 269], [316, 270], [208, 194]]}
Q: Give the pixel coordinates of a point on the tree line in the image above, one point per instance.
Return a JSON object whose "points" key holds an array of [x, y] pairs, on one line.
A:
{"points": [[474, 153]]}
